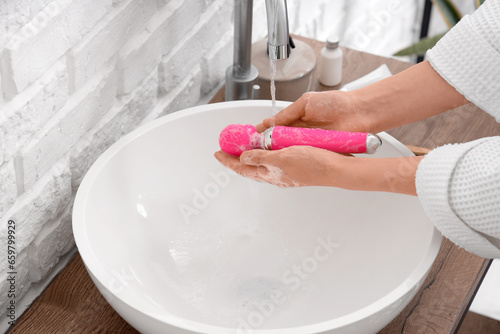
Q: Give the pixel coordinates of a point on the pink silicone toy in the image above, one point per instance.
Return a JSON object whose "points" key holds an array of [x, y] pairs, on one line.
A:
{"points": [[237, 138]]}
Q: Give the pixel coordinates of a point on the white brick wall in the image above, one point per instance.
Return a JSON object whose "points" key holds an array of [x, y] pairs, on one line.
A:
{"points": [[97, 47], [167, 28], [14, 16], [188, 53], [8, 187], [84, 108], [44, 202], [41, 41], [21, 283], [76, 75], [123, 117], [26, 113], [54, 239]]}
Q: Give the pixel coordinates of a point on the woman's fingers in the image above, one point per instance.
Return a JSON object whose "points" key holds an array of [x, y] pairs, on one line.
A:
{"points": [[260, 127], [289, 116], [253, 157], [228, 160], [251, 170]]}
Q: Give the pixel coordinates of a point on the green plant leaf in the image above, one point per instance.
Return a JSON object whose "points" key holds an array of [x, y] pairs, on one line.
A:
{"points": [[478, 3], [449, 12], [420, 47]]}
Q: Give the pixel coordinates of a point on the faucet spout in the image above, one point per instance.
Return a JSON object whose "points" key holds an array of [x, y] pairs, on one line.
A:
{"points": [[277, 26], [241, 76]]}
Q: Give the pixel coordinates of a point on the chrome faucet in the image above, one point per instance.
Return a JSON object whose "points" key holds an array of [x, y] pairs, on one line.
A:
{"points": [[241, 77]]}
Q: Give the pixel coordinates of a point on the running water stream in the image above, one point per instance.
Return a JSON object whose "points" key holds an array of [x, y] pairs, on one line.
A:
{"points": [[272, 65]]}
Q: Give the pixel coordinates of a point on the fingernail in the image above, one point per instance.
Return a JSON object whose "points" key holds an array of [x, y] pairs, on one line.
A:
{"points": [[247, 157], [218, 155]]}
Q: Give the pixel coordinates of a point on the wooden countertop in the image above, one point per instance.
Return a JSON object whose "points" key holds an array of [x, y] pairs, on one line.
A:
{"points": [[72, 303]]}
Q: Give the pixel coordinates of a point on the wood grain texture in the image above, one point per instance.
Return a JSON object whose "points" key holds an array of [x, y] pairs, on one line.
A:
{"points": [[417, 150], [445, 296], [72, 304]]}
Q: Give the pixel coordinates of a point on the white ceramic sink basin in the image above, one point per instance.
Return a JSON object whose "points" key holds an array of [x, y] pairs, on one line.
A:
{"points": [[178, 244]]}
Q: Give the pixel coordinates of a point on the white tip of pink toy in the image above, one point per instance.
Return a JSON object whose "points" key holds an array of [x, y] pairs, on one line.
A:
{"points": [[238, 138]]}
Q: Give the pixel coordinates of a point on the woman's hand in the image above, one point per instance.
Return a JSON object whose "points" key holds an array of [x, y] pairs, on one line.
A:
{"points": [[295, 166], [414, 94], [331, 110], [300, 166]]}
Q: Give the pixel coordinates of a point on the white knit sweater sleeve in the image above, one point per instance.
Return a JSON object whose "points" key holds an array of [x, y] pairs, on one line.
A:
{"points": [[459, 185]]}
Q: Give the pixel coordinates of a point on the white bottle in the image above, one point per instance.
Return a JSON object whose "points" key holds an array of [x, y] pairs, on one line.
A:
{"points": [[330, 66]]}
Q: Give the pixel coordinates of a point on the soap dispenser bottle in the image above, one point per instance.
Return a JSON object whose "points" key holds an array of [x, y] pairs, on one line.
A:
{"points": [[330, 66]]}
